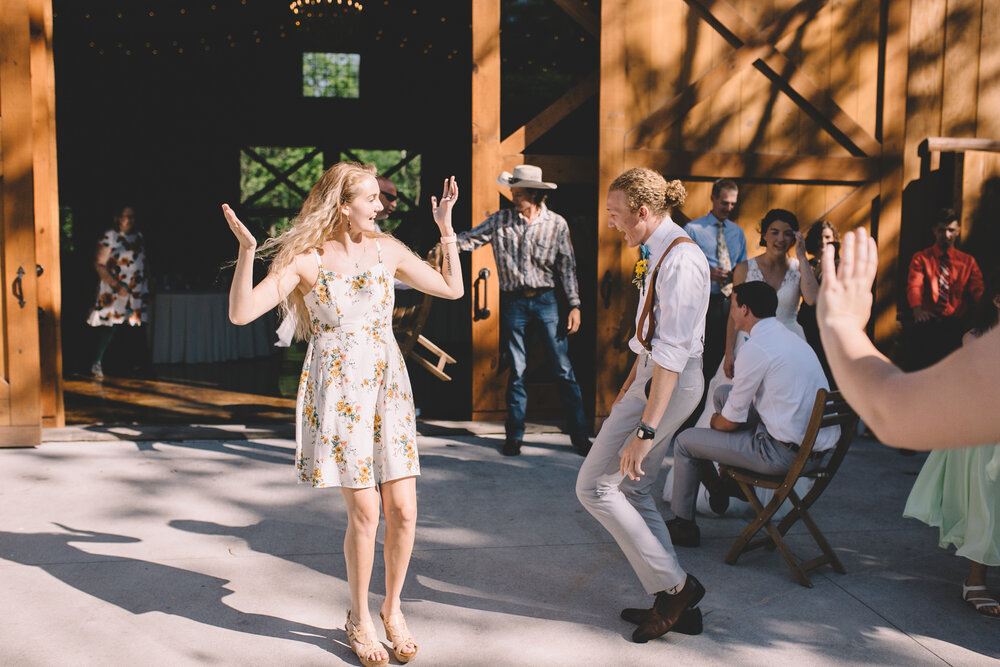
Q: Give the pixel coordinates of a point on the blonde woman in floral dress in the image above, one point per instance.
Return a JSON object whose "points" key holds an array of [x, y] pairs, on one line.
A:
{"points": [[333, 271]]}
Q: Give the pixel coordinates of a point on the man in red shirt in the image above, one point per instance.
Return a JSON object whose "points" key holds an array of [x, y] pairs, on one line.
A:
{"points": [[943, 284]]}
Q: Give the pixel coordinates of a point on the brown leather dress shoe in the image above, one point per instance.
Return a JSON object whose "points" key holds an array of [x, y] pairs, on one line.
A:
{"points": [[690, 622], [669, 609]]}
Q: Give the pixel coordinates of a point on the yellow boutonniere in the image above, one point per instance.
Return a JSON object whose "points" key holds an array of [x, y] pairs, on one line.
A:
{"points": [[641, 267], [639, 273]]}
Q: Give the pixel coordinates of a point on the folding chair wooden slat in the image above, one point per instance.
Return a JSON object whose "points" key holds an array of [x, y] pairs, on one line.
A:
{"points": [[829, 409], [407, 324]]}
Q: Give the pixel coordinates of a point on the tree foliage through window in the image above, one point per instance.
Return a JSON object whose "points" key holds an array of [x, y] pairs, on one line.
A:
{"points": [[331, 75]]}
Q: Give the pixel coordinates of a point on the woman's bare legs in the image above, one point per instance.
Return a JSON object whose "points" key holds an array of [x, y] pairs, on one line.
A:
{"points": [[399, 503], [359, 550]]}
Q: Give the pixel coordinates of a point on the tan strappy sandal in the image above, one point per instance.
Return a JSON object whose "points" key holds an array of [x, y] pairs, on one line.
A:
{"points": [[399, 636], [364, 642]]}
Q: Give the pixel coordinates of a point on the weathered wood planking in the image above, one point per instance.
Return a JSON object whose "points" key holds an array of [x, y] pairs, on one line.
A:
{"points": [[22, 424], [46, 212], [959, 94], [611, 360], [487, 382], [891, 191], [987, 118]]}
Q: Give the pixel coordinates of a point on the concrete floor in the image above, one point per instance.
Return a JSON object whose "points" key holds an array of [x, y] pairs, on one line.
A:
{"points": [[206, 551]]}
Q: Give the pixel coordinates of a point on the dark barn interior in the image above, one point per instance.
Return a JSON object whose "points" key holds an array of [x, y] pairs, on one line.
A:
{"points": [[158, 105]]}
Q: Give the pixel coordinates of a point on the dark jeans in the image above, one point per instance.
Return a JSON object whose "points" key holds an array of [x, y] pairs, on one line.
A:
{"points": [[516, 313]]}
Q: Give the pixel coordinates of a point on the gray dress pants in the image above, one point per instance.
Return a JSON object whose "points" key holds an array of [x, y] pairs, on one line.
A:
{"points": [[625, 508], [752, 448]]}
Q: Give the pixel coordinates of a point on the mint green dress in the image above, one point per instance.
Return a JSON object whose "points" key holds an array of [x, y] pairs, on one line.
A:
{"points": [[958, 492]]}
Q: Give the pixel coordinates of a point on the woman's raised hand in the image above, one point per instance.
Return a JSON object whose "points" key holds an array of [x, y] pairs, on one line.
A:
{"points": [[442, 208], [800, 246], [845, 296], [242, 234]]}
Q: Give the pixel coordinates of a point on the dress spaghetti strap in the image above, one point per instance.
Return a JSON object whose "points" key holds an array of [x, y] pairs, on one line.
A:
{"points": [[378, 249], [319, 260]]}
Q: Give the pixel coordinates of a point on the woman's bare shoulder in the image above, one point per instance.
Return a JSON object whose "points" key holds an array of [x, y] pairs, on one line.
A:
{"points": [[395, 250], [306, 266], [392, 244], [307, 259]]}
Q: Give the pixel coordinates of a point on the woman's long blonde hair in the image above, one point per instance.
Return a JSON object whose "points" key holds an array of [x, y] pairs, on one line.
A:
{"points": [[318, 221]]}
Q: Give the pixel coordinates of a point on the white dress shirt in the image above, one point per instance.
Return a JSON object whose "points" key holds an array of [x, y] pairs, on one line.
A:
{"points": [[779, 373], [682, 288]]}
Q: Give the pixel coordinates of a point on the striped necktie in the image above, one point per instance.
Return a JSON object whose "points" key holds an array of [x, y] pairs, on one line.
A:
{"points": [[944, 281]]}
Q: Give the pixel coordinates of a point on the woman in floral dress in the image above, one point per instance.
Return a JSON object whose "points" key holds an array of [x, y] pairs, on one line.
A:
{"points": [[333, 271], [123, 293]]}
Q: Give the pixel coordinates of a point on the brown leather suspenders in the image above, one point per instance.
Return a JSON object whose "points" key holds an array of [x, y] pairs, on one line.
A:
{"points": [[645, 332]]}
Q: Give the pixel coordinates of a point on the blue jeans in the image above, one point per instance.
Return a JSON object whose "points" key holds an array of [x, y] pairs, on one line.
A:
{"points": [[516, 312]]}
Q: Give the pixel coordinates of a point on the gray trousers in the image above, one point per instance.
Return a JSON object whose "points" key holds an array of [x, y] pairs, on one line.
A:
{"points": [[625, 508], [752, 448]]}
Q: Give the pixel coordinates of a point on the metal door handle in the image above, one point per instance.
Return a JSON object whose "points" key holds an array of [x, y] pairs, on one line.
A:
{"points": [[480, 312], [17, 288], [607, 285]]}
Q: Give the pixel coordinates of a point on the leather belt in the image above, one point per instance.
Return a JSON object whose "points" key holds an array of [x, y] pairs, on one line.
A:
{"points": [[795, 448], [527, 292]]}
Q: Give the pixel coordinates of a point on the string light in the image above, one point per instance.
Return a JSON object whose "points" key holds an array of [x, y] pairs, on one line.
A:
{"points": [[301, 21], [311, 8]]}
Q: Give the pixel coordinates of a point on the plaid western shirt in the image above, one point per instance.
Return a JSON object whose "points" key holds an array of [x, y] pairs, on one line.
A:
{"points": [[528, 254]]}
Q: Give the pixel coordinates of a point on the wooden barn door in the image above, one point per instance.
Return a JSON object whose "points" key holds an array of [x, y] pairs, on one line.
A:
{"points": [[20, 374], [781, 95], [493, 153]]}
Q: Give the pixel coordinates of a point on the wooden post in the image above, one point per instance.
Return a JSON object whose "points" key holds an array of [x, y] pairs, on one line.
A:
{"points": [[893, 138], [487, 384], [20, 413], [46, 211], [959, 94], [987, 119], [612, 358]]}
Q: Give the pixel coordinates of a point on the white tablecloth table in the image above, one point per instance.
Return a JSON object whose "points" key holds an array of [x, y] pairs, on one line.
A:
{"points": [[194, 328]]}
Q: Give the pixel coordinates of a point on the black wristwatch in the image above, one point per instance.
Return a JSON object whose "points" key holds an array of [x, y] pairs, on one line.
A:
{"points": [[645, 431]]}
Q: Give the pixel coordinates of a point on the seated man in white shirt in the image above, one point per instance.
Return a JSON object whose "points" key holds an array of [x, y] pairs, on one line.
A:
{"points": [[761, 419]]}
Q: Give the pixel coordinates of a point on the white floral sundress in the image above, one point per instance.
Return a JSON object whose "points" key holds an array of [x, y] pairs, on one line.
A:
{"points": [[355, 424], [127, 264]]}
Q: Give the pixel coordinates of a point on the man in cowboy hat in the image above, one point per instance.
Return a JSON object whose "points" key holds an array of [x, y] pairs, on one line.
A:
{"points": [[532, 250]]}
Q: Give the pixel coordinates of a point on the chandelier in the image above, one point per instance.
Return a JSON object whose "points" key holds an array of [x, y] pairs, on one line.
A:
{"points": [[321, 8]]}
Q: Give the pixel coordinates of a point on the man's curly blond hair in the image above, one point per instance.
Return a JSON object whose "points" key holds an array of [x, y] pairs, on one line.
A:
{"points": [[645, 187]]}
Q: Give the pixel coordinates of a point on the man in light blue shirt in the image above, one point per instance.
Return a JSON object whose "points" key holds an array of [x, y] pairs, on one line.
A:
{"points": [[725, 246]]}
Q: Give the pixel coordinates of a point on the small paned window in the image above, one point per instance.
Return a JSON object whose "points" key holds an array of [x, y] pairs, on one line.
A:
{"points": [[331, 75]]}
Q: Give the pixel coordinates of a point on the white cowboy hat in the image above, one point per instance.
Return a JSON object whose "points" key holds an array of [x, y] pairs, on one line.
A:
{"points": [[525, 176]]}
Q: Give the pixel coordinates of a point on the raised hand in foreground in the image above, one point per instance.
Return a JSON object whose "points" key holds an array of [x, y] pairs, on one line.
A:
{"points": [[951, 404]]}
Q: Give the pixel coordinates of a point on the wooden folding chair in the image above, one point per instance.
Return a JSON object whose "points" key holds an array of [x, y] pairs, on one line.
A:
{"points": [[829, 409], [407, 323]]}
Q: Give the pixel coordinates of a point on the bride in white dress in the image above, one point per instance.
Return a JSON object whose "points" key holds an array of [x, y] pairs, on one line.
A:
{"points": [[779, 233]]}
